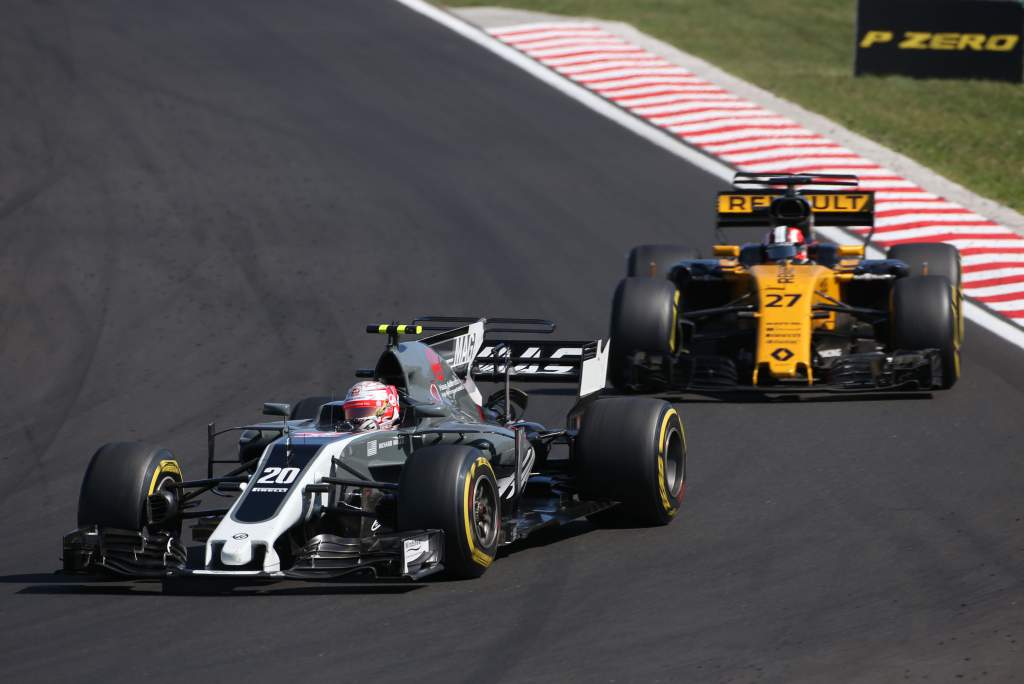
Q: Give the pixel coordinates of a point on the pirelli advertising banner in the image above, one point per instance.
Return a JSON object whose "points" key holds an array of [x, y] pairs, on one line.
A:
{"points": [[941, 38]]}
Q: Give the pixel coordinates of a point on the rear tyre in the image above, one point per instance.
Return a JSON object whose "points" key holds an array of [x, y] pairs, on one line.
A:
{"points": [[308, 408], [931, 258], [119, 478], [633, 450], [644, 316], [646, 261], [924, 315], [453, 488]]}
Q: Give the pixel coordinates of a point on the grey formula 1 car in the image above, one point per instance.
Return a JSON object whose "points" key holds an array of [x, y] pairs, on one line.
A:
{"points": [[457, 479]]}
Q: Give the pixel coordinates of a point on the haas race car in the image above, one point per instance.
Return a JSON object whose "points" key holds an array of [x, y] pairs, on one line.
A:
{"points": [[789, 313], [319, 493]]}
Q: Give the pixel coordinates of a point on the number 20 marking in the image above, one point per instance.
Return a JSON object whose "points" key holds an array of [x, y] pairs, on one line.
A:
{"points": [[776, 299], [275, 475]]}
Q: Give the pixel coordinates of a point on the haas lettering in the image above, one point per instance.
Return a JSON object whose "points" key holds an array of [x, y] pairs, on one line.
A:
{"points": [[462, 354]]}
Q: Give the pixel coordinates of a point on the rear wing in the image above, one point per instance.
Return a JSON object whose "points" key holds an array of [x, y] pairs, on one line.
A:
{"points": [[778, 202], [755, 208], [482, 350]]}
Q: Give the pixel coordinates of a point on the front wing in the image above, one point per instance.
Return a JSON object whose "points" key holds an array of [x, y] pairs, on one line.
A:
{"points": [[901, 371], [409, 555]]}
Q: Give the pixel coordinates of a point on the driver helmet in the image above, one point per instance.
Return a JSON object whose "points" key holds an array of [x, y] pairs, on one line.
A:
{"points": [[372, 405], [786, 242]]}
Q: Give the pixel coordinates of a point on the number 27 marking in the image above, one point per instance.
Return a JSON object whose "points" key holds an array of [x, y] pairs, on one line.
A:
{"points": [[776, 300]]}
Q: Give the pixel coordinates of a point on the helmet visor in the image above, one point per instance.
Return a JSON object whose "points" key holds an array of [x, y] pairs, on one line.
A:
{"points": [[359, 412]]}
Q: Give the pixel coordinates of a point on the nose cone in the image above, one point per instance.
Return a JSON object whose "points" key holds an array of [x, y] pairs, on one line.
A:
{"points": [[236, 551]]}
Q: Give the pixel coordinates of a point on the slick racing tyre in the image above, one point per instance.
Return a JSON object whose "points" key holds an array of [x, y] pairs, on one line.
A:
{"points": [[644, 319], [924, 315], [932, 258], [308, 408], [646, 261], [119, 478], [937, 259], [633, 450], [453, 488]]}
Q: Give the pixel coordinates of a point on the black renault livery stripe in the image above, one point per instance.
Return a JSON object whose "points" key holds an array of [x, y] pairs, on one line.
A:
{"points": [[269, 487]]}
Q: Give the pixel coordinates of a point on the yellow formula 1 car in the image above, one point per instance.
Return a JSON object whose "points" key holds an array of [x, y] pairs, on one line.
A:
{"points": [[790, 313]]}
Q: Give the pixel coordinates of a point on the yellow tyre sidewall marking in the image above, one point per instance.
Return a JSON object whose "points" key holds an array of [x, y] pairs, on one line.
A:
{"points": [[958, 328], [675, 320], [169, 466], [666, 501], [479, 556]]}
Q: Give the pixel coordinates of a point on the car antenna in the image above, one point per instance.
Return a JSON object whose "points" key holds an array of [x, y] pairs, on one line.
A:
{"points": [[287, 440], [508, 390]]}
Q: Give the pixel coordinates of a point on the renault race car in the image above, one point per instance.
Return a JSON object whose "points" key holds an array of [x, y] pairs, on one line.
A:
{"points": [[459, 477], [789, 317]]}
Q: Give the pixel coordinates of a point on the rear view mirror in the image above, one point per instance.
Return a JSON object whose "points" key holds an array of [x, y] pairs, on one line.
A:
{"points": [[282, 410], [851, 250], [727, 251]]}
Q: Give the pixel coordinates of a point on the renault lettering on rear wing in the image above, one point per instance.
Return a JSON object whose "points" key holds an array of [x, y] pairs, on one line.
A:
{"points": [[778, 202]]}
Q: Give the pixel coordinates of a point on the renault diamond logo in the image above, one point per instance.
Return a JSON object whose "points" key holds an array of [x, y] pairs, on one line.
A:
{"points": [[782, 354]]}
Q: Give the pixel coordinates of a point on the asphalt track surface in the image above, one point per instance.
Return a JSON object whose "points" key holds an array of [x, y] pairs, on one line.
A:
{"points": [[201, 206]]}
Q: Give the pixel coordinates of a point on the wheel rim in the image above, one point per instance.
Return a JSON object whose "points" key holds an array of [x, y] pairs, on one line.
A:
{"points": [[165, 482], [675, 463], [484, 507]]}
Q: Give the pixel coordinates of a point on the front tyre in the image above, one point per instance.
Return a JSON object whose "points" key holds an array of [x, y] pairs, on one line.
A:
{"points": [[633, 450], [924, 315], [119, 479], [644, 319], [453, 488]]}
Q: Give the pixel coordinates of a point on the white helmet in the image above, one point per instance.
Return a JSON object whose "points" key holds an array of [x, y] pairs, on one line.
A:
{"points": [[786, 242], [372, 405]]}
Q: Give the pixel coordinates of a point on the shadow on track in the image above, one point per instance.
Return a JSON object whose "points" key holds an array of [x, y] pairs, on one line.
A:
{"points": [[59, 584], [545, 537], [767, 398]]}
